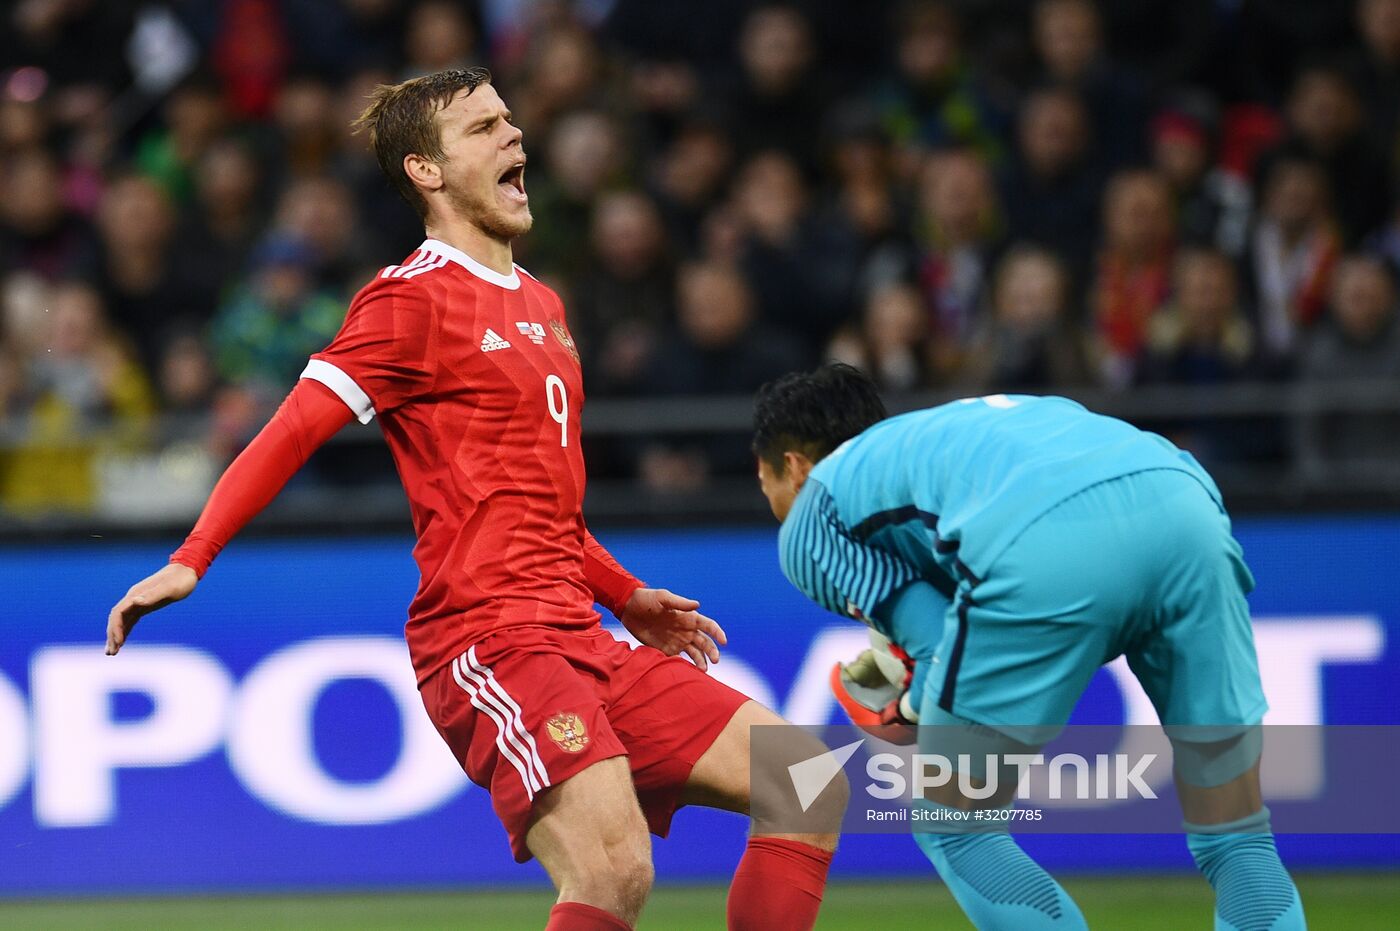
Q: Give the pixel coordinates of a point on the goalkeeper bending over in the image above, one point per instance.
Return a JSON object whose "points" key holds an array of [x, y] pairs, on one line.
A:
{"points": [[1012, 545]]}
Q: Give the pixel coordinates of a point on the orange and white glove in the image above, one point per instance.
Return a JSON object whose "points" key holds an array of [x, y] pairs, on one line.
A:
{"points": [[874, 703]]}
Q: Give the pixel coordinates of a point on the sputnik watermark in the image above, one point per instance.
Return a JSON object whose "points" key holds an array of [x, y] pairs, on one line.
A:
{"points": [[1082, 779], [1116, 777]]}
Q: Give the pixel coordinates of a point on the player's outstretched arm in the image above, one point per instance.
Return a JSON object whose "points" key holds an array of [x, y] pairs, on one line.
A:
{"points": [[308, 417]]}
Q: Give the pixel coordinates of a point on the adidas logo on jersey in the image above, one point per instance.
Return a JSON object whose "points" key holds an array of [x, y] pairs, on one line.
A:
{"points": [[492, 341]]}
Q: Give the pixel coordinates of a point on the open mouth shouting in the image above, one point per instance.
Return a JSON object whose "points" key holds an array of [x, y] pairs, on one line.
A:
{"points": [[512, 183]]}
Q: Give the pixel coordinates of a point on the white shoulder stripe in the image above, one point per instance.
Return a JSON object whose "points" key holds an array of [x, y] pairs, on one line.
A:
{"points": [[418, 259], [343, 385], [435, 264]]}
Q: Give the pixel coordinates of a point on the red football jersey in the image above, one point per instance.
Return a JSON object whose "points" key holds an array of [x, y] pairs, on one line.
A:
{"points": [[476, 382]]}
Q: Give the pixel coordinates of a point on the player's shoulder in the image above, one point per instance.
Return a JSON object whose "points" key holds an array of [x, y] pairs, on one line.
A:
{"points": [[529, 280], [428, 276], [403, 282], [429, 259]]}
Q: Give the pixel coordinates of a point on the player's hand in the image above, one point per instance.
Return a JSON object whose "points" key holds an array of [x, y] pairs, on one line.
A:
{"points": [[152, 593], [672, 624]]}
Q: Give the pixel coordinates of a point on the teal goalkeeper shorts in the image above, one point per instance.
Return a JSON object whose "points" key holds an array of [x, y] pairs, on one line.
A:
{"points": [[1144, 566]]}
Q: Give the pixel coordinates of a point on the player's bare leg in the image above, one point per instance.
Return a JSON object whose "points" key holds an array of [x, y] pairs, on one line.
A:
{"points": [[590, 836], [779, 883], [1236, 799]]}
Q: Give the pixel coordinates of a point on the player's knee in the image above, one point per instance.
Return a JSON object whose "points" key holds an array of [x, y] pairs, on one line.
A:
{"points": [[632, 864], [618, 874], [775, 808]]}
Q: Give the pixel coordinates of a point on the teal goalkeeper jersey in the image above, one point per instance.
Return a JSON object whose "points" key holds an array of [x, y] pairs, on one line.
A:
{"points": [[937, 494]]}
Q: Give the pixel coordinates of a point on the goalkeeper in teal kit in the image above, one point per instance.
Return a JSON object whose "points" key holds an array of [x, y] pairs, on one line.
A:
{"points": [[1009, 546]]}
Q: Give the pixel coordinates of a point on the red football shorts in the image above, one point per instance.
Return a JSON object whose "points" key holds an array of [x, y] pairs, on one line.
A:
{"points": [[528, 707]]}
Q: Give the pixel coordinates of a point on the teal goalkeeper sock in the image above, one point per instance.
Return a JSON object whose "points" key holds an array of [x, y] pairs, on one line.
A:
{"points": [[1253, 891], [998, 886]]}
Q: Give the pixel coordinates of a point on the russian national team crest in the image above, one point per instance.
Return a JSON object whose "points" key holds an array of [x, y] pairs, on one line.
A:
{"points": [[562, 334], [567, 731]]}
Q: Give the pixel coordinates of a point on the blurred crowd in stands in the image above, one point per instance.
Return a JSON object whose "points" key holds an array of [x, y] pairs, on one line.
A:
{"points": [[972, 195]]}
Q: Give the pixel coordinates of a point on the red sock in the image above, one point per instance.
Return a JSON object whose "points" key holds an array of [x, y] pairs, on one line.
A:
{"points": [[575, 916], [778, 886]]}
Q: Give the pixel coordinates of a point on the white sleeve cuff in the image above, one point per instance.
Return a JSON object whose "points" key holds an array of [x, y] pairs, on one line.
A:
{"points": [[343, 385]]}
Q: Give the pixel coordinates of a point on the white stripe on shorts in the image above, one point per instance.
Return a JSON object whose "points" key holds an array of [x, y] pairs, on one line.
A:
{"points": [[502, 729], [518, 718]]}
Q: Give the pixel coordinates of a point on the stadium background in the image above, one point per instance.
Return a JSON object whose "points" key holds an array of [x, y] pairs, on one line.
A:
{"points": [[1179, 212]]}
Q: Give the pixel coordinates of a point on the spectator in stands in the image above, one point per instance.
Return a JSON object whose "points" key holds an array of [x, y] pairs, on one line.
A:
{"points": [[959, 229], [1134, 270], [24, 302], [691, 176], [933, 100], [226, 216], [269, 325], [1213, 206], [858, 147], [1202, 337], [861, 241], [891, 341], [1069, 42], [664, 95], [1294, 246], [320, 212], [778, 257], [1327, 124], [303, 123], [564, 74], [38, 233], [1030, 341], [1050, 192], [1378, 22], [193, 118], [719, 346], [146, 281], [84, 391], [84, 369], [777, 99], [440, 35], [186, 380], [1358, 342], [624, 298], [583, 156]]}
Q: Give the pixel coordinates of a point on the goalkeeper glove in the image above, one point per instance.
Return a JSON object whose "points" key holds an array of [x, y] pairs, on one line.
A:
{"points": [[874, 703]]}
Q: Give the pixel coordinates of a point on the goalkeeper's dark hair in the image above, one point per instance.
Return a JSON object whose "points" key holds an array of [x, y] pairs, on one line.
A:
{"points": [[813, 412]]}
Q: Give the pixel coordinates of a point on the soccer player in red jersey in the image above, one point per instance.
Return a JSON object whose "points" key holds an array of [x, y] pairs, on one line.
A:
{"points": [[583, 742]]}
